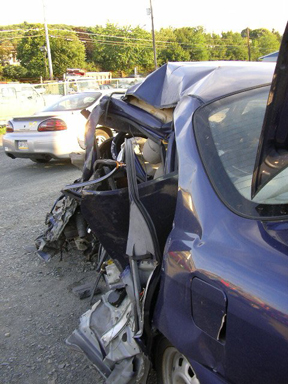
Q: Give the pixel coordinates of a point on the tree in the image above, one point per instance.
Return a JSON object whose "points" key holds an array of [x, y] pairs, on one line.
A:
{"points": [[5, 49], [66, 51], [143, 50], [29, 54], [122, 48], [14, 72], [84, 36], [236, 46], [262, 41], [168, 49], [266, 44], [216, 46], [255, 34], [193, 41]]}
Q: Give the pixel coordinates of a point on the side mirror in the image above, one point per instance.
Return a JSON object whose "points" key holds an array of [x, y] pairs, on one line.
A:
{"points": [[85, 113]]}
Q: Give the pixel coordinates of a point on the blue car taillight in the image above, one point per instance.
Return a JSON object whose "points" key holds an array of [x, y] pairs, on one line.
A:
{"points": [[52, 125]]}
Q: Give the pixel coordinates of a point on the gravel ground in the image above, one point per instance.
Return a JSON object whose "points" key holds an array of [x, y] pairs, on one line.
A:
{"points": [[38, 311]]}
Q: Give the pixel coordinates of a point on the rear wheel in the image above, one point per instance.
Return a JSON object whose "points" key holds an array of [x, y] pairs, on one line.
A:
{"points": [[172, 367]]}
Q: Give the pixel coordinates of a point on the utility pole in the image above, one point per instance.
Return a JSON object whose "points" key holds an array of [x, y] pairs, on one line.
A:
{"points": [[153, 36], [44, 50], [47, 43], [248, 44]]}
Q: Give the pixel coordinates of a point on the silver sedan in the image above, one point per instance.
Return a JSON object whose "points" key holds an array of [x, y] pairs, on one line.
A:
{"points": [[56, 131]]}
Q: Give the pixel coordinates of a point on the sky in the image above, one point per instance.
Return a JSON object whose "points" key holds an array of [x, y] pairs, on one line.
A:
{"points": [[215, 16]]}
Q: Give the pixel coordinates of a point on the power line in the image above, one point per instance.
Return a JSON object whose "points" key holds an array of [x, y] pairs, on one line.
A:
{"points": [[126, 40], [25, 30], [21, 37], [123, 42]]}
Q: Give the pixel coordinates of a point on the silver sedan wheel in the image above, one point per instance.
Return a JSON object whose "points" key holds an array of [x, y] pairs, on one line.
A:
{"points": [[100, 139], [101, 136], [176, 369]]}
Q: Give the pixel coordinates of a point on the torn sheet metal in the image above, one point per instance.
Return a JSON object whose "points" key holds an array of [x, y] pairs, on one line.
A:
{"points": [[123, 117], [106, 335], [111, 334], [50, 243]]}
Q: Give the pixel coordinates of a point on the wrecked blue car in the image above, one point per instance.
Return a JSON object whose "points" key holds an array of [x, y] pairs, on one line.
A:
{"points": [[188, 205]]}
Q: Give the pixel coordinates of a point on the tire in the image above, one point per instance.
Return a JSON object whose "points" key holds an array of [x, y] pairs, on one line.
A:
{"points": [[171, 366], [102, 135], [42, 160]]}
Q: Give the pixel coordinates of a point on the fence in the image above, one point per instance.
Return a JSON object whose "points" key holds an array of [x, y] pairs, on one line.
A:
{"points": [[83, 84], [25, 99]]}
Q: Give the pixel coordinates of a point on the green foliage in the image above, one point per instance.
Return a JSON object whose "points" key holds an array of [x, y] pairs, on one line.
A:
{"points": [[121, 49], [257, 33], [193, 41], [84, 35], [262, 41], [5, 49], [268, 42], [66, 51], [236, 46], [216, 46], [168, 49], [29, 54], [14, 72]]}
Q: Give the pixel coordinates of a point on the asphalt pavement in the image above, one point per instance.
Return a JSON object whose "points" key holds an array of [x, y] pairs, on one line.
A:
{"points": [[38, 310]]}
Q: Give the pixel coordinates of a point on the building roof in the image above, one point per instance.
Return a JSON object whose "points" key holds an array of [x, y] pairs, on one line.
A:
{"points": [[272, 57]]}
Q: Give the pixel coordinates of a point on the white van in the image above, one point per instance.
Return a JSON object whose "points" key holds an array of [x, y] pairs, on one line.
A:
{"points": [[19, 100]]}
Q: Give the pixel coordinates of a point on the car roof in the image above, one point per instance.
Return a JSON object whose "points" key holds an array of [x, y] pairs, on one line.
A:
{"points": [[17, 86], [205, 80]]}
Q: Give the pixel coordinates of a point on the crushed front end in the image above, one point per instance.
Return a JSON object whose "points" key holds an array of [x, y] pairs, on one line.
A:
{"points": [[124, 203]]}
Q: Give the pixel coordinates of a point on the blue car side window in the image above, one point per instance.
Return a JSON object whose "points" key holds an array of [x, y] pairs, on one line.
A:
{"points": [[227, 133]]}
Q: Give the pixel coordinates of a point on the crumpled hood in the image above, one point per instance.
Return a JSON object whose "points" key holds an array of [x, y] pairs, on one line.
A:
{"points": [[163, 89], [205, 80]]}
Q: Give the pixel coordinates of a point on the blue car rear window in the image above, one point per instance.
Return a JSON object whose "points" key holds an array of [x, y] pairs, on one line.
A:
{"points": [[227, 133]]}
